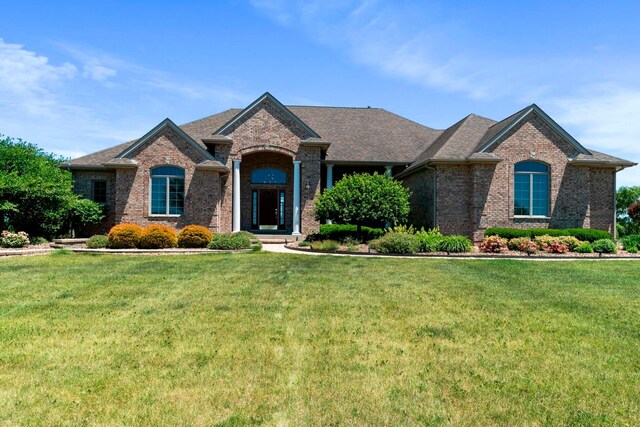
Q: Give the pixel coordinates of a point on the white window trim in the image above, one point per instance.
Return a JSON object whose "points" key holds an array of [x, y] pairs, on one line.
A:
{"points": [[548, 174], [164, 215]]}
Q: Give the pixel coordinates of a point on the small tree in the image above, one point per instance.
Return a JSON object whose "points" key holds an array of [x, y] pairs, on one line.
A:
{"points": [[625, 197], [634, 212], [362, 198]]}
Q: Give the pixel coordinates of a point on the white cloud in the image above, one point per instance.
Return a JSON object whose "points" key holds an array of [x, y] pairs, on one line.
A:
{"points": [[605, 118], [98, 72]]}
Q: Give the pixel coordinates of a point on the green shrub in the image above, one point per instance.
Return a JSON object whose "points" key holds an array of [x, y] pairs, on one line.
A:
{"points": [[305, 243], [430, 240], [456, 244], [587, 234], [604, 246], [631, 242], [528, 246], [98, 242], [584, 248], [535, 232], [325, 245], [158, 236], [570, 242], [583, 234], [396, 243], [230, 241], [14, 240], [545, 241], [507, 233], [194, 236], [39, 241], [125, 236], [633, 250], [340, 232]]}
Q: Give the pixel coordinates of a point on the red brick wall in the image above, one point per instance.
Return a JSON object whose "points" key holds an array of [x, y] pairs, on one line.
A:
{"points": [[472, 198], [421, 186], [201, 187]]}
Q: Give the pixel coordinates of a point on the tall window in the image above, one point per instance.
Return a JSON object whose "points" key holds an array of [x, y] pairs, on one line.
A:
{"points": [[99, 191], [167, 191], [531, 188]]}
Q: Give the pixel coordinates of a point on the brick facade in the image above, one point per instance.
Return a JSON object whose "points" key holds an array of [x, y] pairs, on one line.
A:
{"points": [[473, 197]]}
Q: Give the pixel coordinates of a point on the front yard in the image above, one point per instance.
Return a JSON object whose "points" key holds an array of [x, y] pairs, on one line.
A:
{"points": [[259, 338]]}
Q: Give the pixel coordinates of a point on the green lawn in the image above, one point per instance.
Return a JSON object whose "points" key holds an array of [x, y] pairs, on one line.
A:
{"points": [[258, 338]]}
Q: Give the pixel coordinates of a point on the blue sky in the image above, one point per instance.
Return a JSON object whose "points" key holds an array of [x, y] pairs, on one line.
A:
{"points": [[78, 76]]}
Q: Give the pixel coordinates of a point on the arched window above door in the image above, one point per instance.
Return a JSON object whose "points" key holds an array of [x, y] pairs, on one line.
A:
{"points": [[269, 176]]}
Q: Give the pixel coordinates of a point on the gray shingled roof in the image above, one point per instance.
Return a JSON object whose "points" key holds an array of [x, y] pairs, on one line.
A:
{"points": [[374, 135]]}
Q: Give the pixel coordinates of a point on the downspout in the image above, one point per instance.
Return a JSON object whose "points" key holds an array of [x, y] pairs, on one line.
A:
{"points": [[615, 207]]}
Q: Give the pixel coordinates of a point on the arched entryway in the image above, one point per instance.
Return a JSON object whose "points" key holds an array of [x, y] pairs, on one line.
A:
{"points": [[267, 192]]}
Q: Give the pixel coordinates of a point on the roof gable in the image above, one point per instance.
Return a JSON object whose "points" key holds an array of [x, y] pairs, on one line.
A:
{"points": [[155, 131], [267, 97], [496, 132]]}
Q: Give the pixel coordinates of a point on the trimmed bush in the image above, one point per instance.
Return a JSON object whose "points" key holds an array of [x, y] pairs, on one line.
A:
{"points": [[493, 244], [98, 241], [584, 248], [545, 241], [340, 232], [194, 236], [430, 240], [14, 240], [631, 242], [157, 236], [325, 245], [557, 248], [456, 244], [604, 246], [583, 234], [125, 236], [587, 234], [230, 241], [396, 243], [507, 233]]}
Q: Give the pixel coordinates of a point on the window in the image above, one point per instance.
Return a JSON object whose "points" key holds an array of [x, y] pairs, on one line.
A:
{"points": [[268, 176], [167, 191], [99, 191], [531, 189]]}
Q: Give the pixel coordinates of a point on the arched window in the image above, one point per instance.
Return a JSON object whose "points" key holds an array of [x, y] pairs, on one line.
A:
{"points": [[268, 176], [167, 190], [531, 189]]}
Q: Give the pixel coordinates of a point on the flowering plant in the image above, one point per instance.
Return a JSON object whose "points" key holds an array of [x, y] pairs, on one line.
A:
{"points": [[493, 244], [557, 248], [528, 246], [14, 240]]}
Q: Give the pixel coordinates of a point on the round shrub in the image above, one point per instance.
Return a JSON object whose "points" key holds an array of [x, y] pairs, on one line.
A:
{"points": [[493, 244], [429, 240], [194, 236], [514, 244], [528, 246], [584, 248], [604, 246], [570, 242], [157, 236], [125, 236], [556, 247], [98, 241], [230, 241], [456, 244], [396, 243]]}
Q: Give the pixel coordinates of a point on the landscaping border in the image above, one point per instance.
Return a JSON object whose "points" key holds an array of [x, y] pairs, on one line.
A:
{"points": [[172, 251], [473, 255]]}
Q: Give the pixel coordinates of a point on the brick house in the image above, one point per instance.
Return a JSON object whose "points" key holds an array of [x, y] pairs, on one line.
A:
{"points": [[260, 168]]}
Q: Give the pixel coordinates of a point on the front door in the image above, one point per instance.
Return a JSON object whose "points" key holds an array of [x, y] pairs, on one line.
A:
{"points": [[267, 209]]}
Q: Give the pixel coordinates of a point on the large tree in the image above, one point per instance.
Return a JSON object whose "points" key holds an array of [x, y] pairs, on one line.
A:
{"points": [[36, 196], [625, 197], [364, 198]]}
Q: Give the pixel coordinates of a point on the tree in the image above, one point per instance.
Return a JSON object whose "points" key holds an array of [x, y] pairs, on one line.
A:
{"points": [[634, 212], [36, 196], [625, 197], [363, 198]]}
